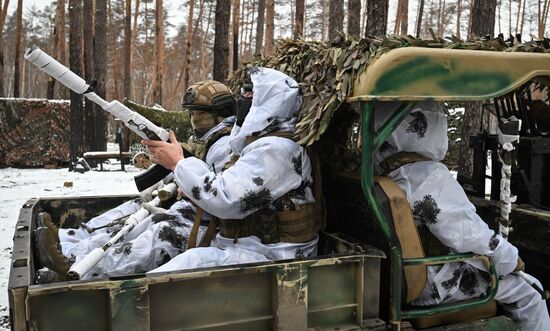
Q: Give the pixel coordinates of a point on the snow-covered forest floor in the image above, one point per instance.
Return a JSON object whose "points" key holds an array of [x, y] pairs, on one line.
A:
{"points": [[18, 185]]}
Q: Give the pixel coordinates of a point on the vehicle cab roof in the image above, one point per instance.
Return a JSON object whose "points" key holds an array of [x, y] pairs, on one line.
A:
{"points": [[420, 73]]}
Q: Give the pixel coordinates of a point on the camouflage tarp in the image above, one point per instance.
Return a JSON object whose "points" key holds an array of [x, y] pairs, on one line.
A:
{"points": [[327, 70], [34, 132]]}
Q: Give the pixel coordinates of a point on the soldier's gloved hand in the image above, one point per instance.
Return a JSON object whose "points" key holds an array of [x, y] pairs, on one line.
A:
{"points": [[520, 266], [147, 194], [153, 210]]}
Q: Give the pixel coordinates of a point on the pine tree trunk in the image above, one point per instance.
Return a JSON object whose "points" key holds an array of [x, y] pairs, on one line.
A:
{"points": [[236, 24], [204, 36], [89, 75], [260, 27], [127, 55], [115, 92], [251, 23], [397, 18], [58, 46], [458, 17], [522, 18], [299, 19], [134, 33], [158, 54], [405, 17], [510, 17], [483, 23], [75, 62], [518, 18], [441, 18], [244, 20], [100, 70], [221, 42], [377, 18], [189, 47], [336, 18], [3, 13], [544, 18], [483, 18], [354, 18], [269, 26], [419, 18], [17, 57]]}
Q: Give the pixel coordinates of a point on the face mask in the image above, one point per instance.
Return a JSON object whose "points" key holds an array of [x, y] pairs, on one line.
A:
{"points": [[202, 121], [243, 107]]}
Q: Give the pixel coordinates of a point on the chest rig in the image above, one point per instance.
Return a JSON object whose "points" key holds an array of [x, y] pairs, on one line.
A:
{"points": [[198, 147], [289, 223]]}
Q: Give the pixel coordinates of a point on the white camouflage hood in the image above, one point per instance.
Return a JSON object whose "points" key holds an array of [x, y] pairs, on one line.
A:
{"points": [[274, 107], [423, 131]]}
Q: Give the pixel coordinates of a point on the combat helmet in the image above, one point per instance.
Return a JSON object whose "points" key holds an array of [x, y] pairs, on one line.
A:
{"points": [[209, 96]]}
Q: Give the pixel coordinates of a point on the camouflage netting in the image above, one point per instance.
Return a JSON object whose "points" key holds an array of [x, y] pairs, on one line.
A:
{"points": [[33, 133], [177, 121], [327, 70]]}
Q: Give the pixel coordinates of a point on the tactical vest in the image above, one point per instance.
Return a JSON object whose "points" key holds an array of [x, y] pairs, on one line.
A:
{"points": [[432, 246], [198, 148], [299, 225]]}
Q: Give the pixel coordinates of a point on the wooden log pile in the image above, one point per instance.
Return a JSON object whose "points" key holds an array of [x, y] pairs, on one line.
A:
{"points": [[34, 133]]}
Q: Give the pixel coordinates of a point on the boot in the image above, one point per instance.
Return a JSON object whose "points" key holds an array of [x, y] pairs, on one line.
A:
{"points": [[45, 219], [47, 276], [49, 252]]}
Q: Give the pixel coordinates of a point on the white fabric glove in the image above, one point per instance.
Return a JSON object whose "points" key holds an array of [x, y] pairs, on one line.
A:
{"points": [[147, 194], [153, 210]]}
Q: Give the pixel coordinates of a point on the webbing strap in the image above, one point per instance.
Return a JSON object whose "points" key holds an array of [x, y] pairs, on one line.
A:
{"points": [[400, 159], [209, 234], [192, 242]]}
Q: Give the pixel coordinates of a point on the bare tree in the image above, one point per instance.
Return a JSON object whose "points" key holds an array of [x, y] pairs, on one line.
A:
{"points": [[3, 13], [260, 27], [542, 16], [58, 45], [89, 75], [354, 18], [441, 18], [377, 17], [236, 24], [100, 70], [458, 17], [336, 18], [405, 16], [299, 19], [419, 18], [483, 15], [483, 23], [221, 44], [269, 26], [158, 54], [17, 58], [134, 32], [115, 91], [75, 63], [127, 55]]}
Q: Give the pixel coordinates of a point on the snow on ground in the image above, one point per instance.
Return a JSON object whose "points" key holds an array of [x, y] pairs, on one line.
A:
{"points": [[18, 185]]}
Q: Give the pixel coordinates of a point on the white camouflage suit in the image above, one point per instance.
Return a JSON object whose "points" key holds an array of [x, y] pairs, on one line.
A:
{"points": [[439, 203], [152, 242], [267, 169]]}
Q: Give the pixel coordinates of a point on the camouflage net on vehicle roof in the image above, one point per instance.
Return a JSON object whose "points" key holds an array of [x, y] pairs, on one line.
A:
{"points": [[326, 70]]}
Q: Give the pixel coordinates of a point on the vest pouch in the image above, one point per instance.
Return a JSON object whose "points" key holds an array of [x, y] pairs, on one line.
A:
{"points": [[265, 224]]}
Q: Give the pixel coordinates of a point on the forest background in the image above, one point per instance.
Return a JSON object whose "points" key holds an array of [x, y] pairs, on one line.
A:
{"points": [[149, 51]]}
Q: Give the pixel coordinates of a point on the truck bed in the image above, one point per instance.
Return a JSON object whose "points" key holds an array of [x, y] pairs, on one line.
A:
{"points": [[337, 289]]}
